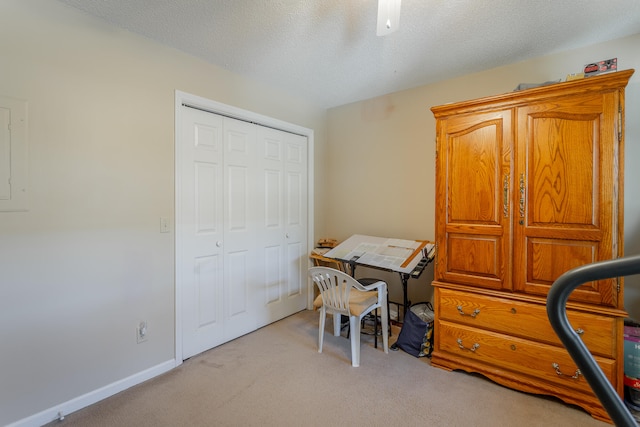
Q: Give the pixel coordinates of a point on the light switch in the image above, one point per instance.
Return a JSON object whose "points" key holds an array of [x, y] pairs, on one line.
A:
{"points": [[164, 225]]}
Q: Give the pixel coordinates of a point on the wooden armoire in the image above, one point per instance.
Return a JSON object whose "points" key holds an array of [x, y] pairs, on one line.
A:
{"points": [[529, 184]]}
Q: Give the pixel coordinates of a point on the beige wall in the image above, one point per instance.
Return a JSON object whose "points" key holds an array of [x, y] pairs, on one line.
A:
{"points": [[87, 262], [381, 154]]}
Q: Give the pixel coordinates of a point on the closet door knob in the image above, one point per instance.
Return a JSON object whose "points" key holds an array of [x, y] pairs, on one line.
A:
{"points": [[219, 244]]}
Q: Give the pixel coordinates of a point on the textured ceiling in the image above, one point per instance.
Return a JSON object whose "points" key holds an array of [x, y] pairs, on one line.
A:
{"points": [[327, 50]]}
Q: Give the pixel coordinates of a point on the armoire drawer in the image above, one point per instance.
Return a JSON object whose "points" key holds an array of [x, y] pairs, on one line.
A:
{"points": [[524, 319], [538, 360]]}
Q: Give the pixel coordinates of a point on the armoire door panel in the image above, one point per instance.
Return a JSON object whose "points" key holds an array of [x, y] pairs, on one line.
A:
{"points": [[474, 255], [473, 163], [562, 171], [475, 260], [548, 259], [474, 174], [565, 165]]}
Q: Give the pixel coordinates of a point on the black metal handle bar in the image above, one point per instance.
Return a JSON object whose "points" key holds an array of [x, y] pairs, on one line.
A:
{"points": [[556, 310]]}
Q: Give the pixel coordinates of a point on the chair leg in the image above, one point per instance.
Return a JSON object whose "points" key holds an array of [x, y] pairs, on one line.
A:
{"points": [[375, 328], [388, 316], [336, 324], [321, 328], [354, 323]]}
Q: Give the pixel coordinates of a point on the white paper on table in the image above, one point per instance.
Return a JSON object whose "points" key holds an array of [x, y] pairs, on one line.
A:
{"points": [[379, 252]]}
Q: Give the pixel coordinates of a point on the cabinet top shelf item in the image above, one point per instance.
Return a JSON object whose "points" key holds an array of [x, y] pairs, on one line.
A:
{"points": [[612, 81]]}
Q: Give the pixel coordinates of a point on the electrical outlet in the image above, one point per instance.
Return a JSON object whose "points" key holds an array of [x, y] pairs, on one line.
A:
{"points": [[141, 332]]}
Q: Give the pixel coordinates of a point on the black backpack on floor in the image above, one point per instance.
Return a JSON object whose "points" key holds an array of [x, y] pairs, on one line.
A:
{"points": [[416, 335]]}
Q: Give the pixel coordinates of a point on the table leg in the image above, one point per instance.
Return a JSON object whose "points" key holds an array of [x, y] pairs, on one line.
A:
{"points": [[404, 278]]}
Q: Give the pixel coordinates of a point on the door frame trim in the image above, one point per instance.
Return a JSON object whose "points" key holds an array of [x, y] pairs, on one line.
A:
{"points": [[184, 98]]}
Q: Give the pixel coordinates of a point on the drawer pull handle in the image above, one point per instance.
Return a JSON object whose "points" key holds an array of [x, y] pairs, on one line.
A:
{"points": [[579, 331], [522, 199], [560, 374], [462, 313], [473, 348]]}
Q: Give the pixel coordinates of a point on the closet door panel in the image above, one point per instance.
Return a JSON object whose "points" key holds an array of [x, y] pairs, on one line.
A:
{"points": [[201, 213], [283, 236], [272, 285], [236, 267], [296, 220], [240, 226], [207, 266], [273, 229]]}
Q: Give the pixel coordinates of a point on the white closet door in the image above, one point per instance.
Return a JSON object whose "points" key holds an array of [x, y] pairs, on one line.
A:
{"points": [[199, 244], [283, 238], [296, 256], [240, 227], [241, 247]]}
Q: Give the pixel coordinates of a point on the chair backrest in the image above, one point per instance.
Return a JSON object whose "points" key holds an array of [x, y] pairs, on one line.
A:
{"points": [[335, 287], [320, 260]]}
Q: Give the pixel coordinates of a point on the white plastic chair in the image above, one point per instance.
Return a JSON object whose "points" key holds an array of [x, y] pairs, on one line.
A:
{"points": [[341, 294]]}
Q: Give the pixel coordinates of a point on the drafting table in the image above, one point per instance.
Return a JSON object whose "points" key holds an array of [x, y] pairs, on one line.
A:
{"points": [[406, 257]]}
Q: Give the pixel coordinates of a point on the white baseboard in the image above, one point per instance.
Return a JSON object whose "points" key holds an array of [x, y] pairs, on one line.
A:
{"points": [[94, 396]]}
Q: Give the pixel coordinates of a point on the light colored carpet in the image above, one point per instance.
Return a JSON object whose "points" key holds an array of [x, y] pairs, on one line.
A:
{"points": [[276, 377]]}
